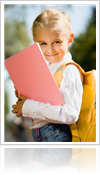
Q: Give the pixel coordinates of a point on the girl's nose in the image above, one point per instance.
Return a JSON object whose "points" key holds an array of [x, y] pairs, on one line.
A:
{"points": [[50, 48]]}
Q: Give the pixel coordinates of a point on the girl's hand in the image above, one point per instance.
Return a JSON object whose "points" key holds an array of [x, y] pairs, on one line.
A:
{"points": [[17, 109]]}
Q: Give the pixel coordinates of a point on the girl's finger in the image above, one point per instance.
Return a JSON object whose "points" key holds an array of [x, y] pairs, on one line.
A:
{"points": [[17, 102], [14, 106], [22, 97], [15, 111]]}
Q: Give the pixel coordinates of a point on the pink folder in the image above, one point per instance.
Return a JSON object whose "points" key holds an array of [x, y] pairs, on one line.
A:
{"points": [[31, 76]]}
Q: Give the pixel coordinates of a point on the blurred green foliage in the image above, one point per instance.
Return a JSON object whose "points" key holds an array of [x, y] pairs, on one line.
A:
{"points": [[15, 30], [6, 110], [6, 104], [84, 48]]}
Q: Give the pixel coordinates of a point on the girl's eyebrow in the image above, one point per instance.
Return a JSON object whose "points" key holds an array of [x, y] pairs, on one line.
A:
{"points": [[41, 41], [55, 39]]}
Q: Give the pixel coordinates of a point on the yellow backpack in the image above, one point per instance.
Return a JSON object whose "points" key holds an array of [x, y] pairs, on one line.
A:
{"points": [[84, 130]]}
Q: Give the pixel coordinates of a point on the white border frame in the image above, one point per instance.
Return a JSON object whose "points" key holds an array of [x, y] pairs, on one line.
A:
{"points": [[2, 67]]}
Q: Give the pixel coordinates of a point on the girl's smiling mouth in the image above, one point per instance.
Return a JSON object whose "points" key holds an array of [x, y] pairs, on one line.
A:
{"points": [[52, 55]]}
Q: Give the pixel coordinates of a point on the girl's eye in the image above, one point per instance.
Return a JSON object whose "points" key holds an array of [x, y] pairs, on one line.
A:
{"points": [[56, 42], [42, 43]]}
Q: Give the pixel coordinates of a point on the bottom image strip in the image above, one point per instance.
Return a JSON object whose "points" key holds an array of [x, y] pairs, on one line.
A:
{"points": [[40, 161]]}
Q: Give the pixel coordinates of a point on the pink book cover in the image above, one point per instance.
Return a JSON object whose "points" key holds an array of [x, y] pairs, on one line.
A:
{"points": [[32, 77]]}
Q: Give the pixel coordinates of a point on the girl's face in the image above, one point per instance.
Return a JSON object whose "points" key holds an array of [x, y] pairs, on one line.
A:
{"points": [[54, 46]]}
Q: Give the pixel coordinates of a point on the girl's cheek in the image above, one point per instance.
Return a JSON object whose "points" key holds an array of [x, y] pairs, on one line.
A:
{"points": [[57, 47], [43, 50]]}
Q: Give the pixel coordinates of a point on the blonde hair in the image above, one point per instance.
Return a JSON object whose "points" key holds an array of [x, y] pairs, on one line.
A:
{"points": [[54, 20]]}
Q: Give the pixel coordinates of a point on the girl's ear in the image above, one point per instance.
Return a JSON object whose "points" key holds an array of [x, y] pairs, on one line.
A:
{"points": [[70, 39]]}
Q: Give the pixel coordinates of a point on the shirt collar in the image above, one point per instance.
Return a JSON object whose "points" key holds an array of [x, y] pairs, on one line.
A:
{"points": [[54, 66]]}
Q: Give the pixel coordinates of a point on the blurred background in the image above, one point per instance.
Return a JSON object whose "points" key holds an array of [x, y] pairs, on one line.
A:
{"points": [[18, 20]]}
